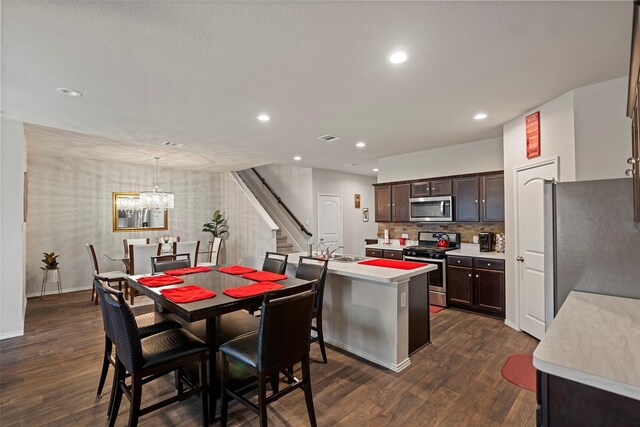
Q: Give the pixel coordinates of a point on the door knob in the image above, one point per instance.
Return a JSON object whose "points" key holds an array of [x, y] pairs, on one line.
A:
{"points": [[521, 259], [633, 161], [629, 172]]}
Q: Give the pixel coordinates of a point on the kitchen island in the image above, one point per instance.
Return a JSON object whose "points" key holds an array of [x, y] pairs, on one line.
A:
{"points": [[377, 313]]}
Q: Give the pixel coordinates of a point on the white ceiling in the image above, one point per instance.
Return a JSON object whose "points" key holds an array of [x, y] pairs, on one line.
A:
{"points": [[199, 73]]}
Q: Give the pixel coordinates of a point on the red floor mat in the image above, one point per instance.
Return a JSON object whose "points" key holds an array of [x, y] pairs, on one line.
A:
{"points": [[519, 370]]}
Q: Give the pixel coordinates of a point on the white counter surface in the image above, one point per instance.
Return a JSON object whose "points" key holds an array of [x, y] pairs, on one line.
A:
{"points": [[594, 340], [368, 272], [394, 246], [473, 250]]}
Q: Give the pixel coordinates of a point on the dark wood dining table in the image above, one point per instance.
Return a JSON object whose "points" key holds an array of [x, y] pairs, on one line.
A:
{"points": [[209, 309]]}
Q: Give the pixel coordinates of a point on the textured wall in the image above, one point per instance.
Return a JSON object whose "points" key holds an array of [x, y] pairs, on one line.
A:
{"points": [[70, 205], [467, 230]]}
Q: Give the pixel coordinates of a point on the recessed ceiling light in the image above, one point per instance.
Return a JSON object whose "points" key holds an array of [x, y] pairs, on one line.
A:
{"points": [[480, 116], [297, 158], [397, 57], [68, 92], [375, 169], [264, 118], [361, 144]]}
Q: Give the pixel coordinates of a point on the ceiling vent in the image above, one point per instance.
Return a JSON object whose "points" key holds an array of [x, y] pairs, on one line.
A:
{"points": [[329, 138]]}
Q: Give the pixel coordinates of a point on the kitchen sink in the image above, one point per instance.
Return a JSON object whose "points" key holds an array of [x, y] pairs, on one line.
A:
{"points": [[348, 258]]}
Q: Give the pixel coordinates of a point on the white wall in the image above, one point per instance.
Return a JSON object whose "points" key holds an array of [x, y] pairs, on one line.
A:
{"points": [[70, 205], [12, 241], [472, 157], [347, 185], [602, 130]]}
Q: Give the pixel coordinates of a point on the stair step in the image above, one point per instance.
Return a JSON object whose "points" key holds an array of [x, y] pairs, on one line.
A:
{"points": [[285, 249], [281, 239]]}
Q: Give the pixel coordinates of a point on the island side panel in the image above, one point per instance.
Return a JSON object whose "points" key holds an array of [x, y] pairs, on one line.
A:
{"points": [[419, 326], [366, 319]]}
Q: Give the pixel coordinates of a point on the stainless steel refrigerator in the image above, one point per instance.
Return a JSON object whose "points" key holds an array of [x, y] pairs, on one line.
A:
{"points": [[590, 242]]}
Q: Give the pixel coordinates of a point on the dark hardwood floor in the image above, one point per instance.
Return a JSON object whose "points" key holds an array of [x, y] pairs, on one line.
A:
{"points": [[49, 377]]}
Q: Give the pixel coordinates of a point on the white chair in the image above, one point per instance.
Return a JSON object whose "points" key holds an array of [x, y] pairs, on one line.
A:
{"points": [[110, 276], [190, 248], [128, 242], [140, 257], [212, 258]]}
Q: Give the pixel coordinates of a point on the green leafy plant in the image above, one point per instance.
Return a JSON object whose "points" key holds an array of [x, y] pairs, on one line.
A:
{"points": [[50, 260], [217, 226]]}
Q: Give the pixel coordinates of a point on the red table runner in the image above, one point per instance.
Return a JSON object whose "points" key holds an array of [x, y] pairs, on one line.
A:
{"points": [[188, 270], [264, 276], [252, 289], [161, 280], [236, 270], [391, 263], [188, 293]]}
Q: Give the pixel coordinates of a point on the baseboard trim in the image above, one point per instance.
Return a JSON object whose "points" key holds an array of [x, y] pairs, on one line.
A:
{"points": [[512, 325], [12, 334], [392, 366], [55, 291]]}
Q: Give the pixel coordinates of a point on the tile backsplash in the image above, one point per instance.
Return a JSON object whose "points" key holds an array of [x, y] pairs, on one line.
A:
{"points": [[466, 230]]}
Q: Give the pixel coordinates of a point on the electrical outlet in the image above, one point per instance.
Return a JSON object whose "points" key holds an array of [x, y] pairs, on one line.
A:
{"points": [[403, 299], [405, 236]]}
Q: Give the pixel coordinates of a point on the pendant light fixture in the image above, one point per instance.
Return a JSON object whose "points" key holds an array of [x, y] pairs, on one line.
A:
{"points": [[156, 199]]}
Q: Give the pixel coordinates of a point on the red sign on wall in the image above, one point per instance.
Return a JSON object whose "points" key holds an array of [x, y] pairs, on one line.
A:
{"points": [[533, 134]]}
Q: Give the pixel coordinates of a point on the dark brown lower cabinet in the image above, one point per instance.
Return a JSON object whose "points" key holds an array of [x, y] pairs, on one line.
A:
{"points": [[476, 284], [562, 402], [419, 329]]}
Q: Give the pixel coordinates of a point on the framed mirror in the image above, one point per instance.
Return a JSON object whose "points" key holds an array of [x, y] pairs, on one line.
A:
{"points": [[128, 215]]}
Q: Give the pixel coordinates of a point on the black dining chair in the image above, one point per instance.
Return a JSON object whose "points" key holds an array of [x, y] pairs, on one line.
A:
{"points": [[146, 359], [147, 324], [310, 268], [170, 262], [275, 262], [278, 344]]}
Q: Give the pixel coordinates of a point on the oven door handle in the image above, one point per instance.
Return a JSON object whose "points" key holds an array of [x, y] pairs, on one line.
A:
{"points": [[427, 260]]}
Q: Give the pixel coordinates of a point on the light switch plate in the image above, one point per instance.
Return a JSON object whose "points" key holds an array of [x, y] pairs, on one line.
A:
{"points": [[403, 299]]}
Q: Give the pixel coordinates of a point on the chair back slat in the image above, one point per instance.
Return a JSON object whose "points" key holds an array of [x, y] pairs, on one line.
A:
{"points": [[188, 247], [127, 337], [140, 257], [106, 317], [92, 258], [281, 339], [310, 268], [170, 262], [275, 262]]}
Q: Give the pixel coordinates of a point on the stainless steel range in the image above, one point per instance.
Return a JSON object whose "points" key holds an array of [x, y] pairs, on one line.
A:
{"points": [[431, 249]]}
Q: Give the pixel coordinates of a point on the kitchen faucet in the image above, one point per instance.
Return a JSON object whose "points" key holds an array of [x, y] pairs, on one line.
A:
{"points": [[331, 253]]}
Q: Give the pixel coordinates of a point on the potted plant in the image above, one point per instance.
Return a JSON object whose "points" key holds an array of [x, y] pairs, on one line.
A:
{"points": [[217, 227], [50, 260]]}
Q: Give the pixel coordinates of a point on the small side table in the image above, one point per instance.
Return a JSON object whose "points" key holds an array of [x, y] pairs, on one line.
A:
{"points": [[50, 275]]}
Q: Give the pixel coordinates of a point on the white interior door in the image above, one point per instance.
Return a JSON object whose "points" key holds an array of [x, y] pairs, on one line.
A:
{"points": [[530, 250], [330, 219]]}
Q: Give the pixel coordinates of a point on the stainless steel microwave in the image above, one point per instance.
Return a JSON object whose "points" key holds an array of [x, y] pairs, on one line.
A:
{"points": [[431, 209]]}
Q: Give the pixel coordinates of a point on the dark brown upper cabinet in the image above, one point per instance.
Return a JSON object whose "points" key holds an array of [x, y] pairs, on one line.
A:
{"points": [[383, 203], [466, 197], [440, 187], [492, 202], [400, 194]]}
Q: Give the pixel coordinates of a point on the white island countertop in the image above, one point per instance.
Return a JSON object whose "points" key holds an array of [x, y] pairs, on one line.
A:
{"points": [[594, 340], [368, 272]]}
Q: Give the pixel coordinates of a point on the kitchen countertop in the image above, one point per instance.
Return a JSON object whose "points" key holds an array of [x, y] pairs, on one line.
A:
{"points": [[368, 272], [473, 250], [394, 246], [594, 340]]}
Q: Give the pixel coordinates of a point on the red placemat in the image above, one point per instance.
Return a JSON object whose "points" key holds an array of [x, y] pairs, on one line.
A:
{"points": [[161, 280], [392, 263], [188, 270], [188, 293], [264, 276], [236, 270], [252, 289]]}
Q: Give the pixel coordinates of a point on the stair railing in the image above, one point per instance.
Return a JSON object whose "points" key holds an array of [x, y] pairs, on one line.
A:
{"points": [[286, 208]]}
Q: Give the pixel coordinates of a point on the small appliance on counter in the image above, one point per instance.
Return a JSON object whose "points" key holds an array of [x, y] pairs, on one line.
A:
{"points": [[487, 241]]}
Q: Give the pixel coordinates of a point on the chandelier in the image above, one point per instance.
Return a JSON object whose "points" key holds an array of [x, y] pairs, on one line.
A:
{"points": [[156, 198]]}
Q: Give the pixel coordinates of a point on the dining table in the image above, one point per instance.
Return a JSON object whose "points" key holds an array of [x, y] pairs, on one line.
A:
{"points": [[209, 309]]}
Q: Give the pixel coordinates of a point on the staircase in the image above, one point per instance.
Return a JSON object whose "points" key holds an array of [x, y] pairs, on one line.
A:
{"points": [[282, 244]]}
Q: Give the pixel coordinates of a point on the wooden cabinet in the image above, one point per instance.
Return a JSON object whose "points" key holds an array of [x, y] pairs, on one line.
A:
{"points": [[375, 253], [400, 210], [391, 254], [492, 198], [476, 284], [383, 203], [441, 187], [466, 195], [392, 202], [633, 112]]}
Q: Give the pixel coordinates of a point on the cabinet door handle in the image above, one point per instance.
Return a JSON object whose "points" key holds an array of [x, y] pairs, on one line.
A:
{"points": [[476, 201], [458, 261], [488, 264], [482, 200], [469, 274], [477, 275]]}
